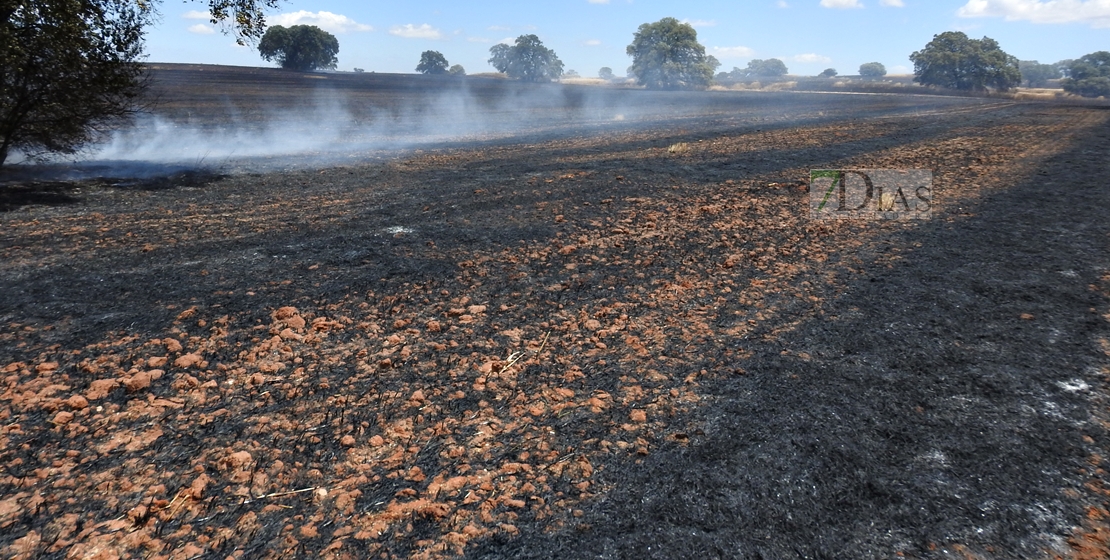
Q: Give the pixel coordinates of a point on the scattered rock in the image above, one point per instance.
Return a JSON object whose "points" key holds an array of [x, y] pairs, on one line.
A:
{"points": [[100, 388], [142, 380], [188, 360]]}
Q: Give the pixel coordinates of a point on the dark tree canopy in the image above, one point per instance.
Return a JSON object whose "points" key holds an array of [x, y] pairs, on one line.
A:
{"points": [[457, 70], [872, 70], [1035, 74], [827, 73], [526, 60], [1090, 75], [69, 69], [432, 62], [300, 47], [952, 60], [605, 73], [666, 55]]}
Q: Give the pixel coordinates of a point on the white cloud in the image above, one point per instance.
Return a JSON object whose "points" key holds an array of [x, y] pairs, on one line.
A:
{"points": [[731, 52], [841, 4], [782, 4], [598, 1], [811, 58], [332, 23], [592, 42], [197, 14], [497, 28], [893, 3], [1094, 12], [201, 29], [700, 22], [478, 40], [410, 31]]}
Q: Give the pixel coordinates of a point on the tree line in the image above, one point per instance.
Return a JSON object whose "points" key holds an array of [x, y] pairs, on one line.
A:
{"points": [[70, 69]]}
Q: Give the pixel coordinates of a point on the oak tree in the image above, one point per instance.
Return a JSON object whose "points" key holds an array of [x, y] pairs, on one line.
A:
{"points": [[300, 47], [953, 60], [667, 55], [527, 60], [432, 62]]}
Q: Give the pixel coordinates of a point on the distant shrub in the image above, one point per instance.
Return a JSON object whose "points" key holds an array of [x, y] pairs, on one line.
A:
{"points": [[1037, 75], [872, 70], [770, 68]]}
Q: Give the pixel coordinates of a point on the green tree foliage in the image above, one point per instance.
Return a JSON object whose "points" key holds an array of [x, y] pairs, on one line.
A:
{"points": [[666, 55], [872, 70], [1064, 66], [457, 70], [68, 71], [300, 47], [605, 73], [952, 60], [432, 62], [1035, 74], [713, 63], [247, 17], [827, 73], [1089, 76], [526, 60]]}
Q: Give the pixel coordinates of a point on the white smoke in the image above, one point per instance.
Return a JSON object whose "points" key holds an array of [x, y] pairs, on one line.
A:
{"points": [[333, 127]]}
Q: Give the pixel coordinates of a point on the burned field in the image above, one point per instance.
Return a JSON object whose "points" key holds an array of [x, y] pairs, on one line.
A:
{"points": [[587, 336]]}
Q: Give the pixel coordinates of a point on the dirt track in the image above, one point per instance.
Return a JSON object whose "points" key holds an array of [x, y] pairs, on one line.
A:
{"points": [[575, 343]]}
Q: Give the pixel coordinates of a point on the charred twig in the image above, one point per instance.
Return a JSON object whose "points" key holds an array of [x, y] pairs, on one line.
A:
{"points": [[516, 356], [281, 494]]}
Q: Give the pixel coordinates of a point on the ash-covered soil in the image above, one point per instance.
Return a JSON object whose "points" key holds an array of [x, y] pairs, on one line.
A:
{"points": [[579, 340]]}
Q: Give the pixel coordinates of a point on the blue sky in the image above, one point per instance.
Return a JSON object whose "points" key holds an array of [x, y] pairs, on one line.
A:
{"points": [[808, 35]]}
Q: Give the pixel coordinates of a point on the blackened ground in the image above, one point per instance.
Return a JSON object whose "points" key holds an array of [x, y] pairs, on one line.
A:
{"points": [[941, 407], [704, 369]]}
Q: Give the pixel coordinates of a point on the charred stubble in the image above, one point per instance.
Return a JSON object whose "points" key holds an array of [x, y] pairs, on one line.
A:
{"points": [[573, 345]]}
